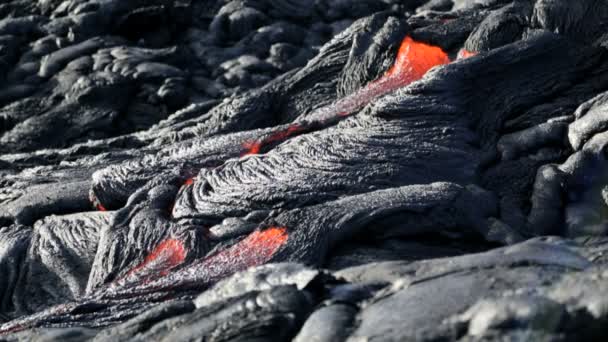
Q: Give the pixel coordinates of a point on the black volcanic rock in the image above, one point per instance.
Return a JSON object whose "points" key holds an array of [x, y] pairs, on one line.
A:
{"points": [[378, 170]]}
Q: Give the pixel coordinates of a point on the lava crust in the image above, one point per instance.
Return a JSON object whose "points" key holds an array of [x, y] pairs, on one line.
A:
{"points": [[293, 170]]}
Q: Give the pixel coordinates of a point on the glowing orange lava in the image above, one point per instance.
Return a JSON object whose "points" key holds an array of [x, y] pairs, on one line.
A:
{"points": [[166, 256], [189, 181], [414, 60], [254, 147], [255, 249], [101, 207], [265, 243]]}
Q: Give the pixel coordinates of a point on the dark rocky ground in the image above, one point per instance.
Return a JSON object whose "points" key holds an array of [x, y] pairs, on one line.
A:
{"points": [[269, 170]]}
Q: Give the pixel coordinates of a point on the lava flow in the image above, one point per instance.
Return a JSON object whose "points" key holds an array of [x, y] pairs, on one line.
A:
{"points": [[256, 249], [166, 256], [414, 60], [254, 147]]}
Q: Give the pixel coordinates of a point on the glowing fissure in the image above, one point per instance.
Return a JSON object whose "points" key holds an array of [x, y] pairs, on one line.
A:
{"points": [[256, 249], [255, 147], [166, 256], [414, 60]]}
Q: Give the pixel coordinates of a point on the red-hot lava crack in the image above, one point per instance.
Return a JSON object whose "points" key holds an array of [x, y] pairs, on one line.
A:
{"points": [[166, 256], [414, 59], [256, 249]]}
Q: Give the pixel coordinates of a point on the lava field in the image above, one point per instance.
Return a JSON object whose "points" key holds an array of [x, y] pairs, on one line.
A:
{"points": [[303, 170]]}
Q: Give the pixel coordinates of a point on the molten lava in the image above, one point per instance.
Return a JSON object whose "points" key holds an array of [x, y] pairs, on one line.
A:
{"points": [[254, 147], [166, 256], [414, 60], [256, 249]]}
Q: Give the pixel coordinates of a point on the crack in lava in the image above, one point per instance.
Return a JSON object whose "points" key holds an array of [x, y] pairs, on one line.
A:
{"points": [[414, 60], [166, 256]]}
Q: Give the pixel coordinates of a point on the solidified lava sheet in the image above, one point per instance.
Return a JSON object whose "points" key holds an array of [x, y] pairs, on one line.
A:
{"points": [[303, 170]]}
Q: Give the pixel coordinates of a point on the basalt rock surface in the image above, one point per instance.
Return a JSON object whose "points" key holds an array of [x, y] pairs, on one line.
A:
{"points": [[278, 170]]}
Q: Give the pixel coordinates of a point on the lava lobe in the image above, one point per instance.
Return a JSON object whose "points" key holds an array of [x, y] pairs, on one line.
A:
{"points": [[414, 59]]}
